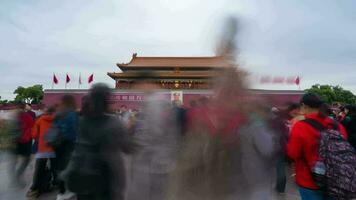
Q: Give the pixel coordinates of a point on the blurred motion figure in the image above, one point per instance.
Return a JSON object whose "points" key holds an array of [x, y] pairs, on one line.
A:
{"points": [[96, 169]]}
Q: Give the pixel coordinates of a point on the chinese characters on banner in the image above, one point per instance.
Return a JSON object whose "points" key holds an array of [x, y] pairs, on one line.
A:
{"points": [[126, 97], [293, 80]]}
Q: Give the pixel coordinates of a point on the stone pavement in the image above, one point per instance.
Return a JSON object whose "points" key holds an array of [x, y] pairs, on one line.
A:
{"points": [[10, 193]]}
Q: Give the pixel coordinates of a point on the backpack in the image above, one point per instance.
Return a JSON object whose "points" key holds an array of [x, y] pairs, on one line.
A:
{"points": [[53, 137], [339, 159]]}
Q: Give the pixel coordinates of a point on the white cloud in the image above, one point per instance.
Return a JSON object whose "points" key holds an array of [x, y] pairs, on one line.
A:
{"points": [[87, 36]]}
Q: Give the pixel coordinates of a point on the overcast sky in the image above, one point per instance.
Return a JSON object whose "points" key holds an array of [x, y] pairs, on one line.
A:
{"points": [[314, 39]]}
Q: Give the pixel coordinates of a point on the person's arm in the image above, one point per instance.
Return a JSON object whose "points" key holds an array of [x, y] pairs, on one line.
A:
{"points": [[295, 145]]}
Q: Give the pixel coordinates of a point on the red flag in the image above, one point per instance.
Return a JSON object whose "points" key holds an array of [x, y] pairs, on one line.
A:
{"points": [[55, 79], [297, 80], [67, 79], [91, 78]]}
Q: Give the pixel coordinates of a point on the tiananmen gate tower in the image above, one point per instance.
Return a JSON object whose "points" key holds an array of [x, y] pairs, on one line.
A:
{"points": [[183, 78], [183, 73]]}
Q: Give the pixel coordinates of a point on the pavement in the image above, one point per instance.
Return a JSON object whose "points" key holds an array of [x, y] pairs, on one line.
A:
{"points": [[11, 193]]}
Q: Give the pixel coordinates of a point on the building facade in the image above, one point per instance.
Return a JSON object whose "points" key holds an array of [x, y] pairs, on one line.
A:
{"points": [[175, 78]]}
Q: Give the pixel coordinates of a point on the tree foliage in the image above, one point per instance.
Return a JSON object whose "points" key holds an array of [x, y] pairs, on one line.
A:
{"points": [[332, 94], [4, 101], [32, 94]]}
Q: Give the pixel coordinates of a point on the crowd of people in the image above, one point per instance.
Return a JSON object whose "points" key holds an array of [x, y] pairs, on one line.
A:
{"points": [[208, 150]]}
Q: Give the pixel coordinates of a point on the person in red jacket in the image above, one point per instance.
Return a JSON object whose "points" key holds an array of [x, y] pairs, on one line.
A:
{"points": [[302, 147], [45, 153], [23, 124]]}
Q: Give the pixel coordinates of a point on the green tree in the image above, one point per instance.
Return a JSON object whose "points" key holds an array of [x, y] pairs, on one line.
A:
{"points": [[33, 94], [4, 101], [332, 94]]}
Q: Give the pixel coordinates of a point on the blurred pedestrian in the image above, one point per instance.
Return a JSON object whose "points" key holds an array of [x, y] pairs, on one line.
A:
{"points": [[96, 169], [261, 147], [124, 114], [66, 123], [44, 172], [21, 134], [158, 138], [278, 124], [180, 115]]}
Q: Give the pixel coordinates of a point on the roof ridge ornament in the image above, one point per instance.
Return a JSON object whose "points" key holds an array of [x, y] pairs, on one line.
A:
{"points": [[134, 55]]}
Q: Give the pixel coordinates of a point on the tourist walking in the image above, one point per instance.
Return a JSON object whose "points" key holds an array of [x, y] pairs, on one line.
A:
{"points": [[65, 127], [158, 138], [96, 169], [44, 174], [21, 134]]}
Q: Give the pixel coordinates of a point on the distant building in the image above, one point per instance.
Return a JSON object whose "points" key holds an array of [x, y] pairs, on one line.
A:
{"points": [[184, 78]]}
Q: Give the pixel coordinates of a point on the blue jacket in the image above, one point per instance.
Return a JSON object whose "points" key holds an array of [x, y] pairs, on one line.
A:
{"points": [[68, 122]]}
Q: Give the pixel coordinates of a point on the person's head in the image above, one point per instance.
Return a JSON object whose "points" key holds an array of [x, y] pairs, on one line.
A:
{"points": [[311, 102], [68, 102], [293, 110], [28, 107], [350, 110], [21, 106], [50, 110], [123, 108], [97, 100]]}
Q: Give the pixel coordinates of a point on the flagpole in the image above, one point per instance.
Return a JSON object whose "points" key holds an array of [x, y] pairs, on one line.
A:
{"points": [[79, 80]]}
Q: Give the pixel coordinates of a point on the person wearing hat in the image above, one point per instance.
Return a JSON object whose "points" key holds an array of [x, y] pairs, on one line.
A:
{"points": [[303, 143]]}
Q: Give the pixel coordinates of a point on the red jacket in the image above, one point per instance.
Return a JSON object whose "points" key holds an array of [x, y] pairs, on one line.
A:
{"points": [[303, 148], [26, 124]]}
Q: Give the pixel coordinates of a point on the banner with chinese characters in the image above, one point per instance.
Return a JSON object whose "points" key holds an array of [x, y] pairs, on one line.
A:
{"points": [[126, 97], [291, 80]]}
